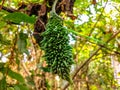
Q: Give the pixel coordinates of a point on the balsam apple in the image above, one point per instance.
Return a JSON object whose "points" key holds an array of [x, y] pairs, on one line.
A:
{"points": [[55, 43]]}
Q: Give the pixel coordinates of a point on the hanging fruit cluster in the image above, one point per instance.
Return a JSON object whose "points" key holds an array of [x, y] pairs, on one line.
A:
{"points": [[55, 43]]}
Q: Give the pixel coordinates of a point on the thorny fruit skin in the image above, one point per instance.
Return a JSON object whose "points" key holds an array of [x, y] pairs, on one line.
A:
{"points": [[58, 52]]}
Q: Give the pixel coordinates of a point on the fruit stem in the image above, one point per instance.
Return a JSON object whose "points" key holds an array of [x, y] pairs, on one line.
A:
{"points": [[54, 6]]}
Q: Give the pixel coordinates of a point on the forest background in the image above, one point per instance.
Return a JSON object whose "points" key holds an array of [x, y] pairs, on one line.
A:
{"points": [[94, 32]]}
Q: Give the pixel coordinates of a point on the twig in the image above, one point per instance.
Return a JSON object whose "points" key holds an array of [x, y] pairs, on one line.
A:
{"points": [[25, 68], [88, 60], [92, 29], [116, 8], [3, 1], [13, 48]]}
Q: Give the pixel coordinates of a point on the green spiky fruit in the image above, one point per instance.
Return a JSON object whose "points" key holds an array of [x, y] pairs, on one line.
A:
{"points": [[55, 43]]}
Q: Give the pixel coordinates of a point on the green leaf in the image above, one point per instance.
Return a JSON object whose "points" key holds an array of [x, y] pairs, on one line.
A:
{"points": [[1, 76], [21, 87], [30, 81], [45, 69], [2, 65], [18, 17], [22, 43], [16, 76], [3, 84], [93, 87], [3, 70], [23, 35], [47, 85], [16, 88], [3, 40], [2, 24], [17, 61], [10, 88]]}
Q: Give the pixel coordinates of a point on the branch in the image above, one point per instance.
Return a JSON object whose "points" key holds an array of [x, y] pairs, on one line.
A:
{"points": [[96, 41], [116, 52], [81, 66], [88, 60], [11, 10]]}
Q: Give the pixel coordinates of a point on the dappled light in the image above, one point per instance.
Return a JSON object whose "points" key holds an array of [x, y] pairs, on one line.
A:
{"points": [[59, 44]]}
